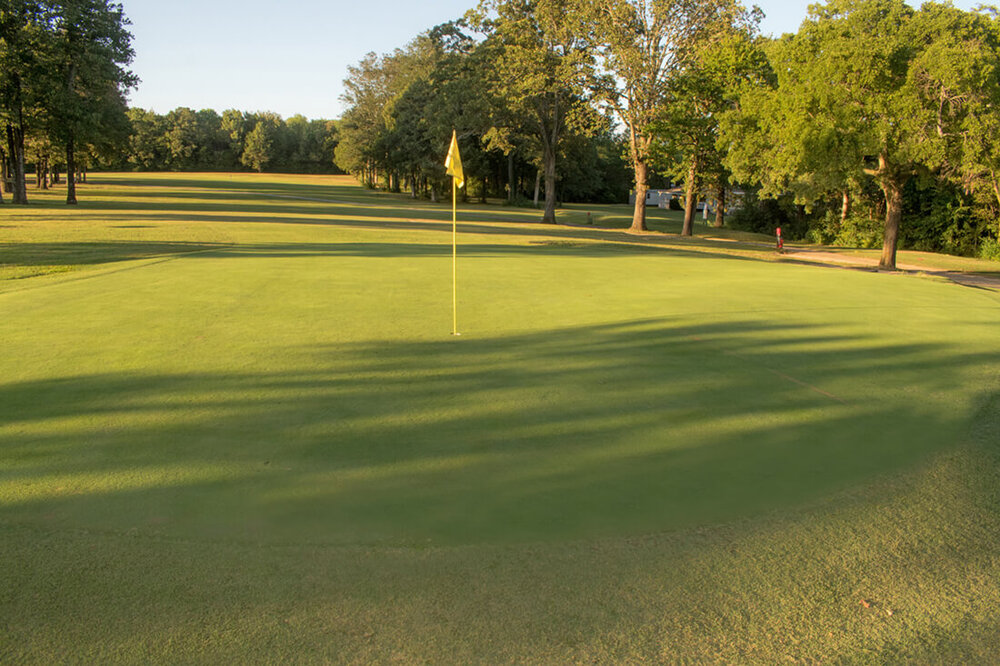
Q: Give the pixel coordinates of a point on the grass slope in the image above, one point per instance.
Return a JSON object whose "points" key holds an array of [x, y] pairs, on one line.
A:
{"points": [[234, 426]]}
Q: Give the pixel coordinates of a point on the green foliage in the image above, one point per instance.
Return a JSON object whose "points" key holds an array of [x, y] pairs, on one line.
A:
{"points": [[940, 219], [686, 134], [873, 89], [403, 107], [857, 231], [990, 249], [262, 142], [63, 77], [540, 61], [765, 214], [188, 140]]}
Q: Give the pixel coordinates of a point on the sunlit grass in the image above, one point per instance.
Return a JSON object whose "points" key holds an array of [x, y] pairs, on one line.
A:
{"points": [[234, 426]]}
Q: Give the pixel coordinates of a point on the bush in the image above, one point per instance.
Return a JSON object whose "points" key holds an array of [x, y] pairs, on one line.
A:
{"points": [[990, 249], [859, 231], [855, 231], [763, 216]]}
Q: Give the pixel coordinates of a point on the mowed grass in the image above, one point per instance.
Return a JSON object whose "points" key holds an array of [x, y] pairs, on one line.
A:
{"points": [[234, 426]]}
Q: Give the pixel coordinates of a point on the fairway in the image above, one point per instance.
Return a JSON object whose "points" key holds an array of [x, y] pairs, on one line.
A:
{"points": [[234, 426]]}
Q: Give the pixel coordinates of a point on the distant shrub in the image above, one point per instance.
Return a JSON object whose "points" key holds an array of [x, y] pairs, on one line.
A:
{"points": [[855, 231], [990, 249], [860, 231], [763, 216]]}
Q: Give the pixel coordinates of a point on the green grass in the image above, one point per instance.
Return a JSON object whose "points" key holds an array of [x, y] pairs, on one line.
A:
{"points": [[234, 427]]}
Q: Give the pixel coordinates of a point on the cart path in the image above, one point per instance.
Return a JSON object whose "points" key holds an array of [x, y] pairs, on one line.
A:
{"points": [[848, 261]]}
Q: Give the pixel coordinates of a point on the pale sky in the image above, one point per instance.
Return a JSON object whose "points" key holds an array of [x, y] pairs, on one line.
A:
{"points": [[291, 56]]}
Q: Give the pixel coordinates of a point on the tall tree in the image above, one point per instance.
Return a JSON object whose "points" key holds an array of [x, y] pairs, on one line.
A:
{"points": [[260, 148], [21, 45], [89, 50], [147, 142], [643, 46], [542, 55], [182, 138], [686, 134]]}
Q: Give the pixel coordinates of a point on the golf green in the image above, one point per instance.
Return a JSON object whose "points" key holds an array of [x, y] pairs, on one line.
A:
{"points": [[207, 366]]}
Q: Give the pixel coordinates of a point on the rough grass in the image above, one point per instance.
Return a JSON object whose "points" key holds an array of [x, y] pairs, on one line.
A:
{"points": [[234, 427]]}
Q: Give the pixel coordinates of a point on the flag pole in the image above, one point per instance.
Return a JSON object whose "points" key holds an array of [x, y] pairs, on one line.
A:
{"points": [[453, 166], [454, 256]]}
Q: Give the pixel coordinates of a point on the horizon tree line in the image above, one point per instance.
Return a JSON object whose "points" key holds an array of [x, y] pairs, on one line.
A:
{"points": [[872, 109]]}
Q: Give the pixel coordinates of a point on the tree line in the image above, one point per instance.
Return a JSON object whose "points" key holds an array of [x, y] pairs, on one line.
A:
{"points": [[188, 140], [875, 123], [64, 78], [403, 106]]}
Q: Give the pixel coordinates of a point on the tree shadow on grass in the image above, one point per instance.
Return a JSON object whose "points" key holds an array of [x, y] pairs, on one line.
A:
{"points": [[93, 252], [81, 253], [184, 517], [591, 431]]}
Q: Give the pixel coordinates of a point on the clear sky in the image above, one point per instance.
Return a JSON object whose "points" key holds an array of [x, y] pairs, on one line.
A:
{"points": [[290, 56]]}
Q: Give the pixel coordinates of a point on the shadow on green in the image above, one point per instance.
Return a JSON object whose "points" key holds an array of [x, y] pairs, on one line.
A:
{"points": [[604, 430]]}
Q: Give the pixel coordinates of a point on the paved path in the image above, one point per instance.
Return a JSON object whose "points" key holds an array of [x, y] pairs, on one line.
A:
{"points": [[849, 261]]}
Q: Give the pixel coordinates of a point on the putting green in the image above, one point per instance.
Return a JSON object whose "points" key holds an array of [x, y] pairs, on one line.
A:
{"points": [[309, 390], [270, 364]]}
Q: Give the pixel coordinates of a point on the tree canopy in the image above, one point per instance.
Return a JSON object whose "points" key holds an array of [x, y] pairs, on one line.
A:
{"points": [[870, 89], [65, 74]]}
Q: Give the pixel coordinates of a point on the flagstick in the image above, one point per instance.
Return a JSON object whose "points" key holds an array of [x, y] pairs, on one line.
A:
{"points": [[454, 256]]}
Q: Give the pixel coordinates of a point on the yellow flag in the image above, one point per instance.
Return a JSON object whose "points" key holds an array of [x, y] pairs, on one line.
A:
{"points": [[454, 162]]}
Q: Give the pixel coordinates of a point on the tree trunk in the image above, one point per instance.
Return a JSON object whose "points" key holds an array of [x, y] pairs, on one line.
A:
{"points": [[15, 146], [70, 173], [720, 210], [893, 190], [538, 186], [482, 196], [510, 177], [690, 199], [549, 216], [845, 208], [5, 185], [641, 188]]}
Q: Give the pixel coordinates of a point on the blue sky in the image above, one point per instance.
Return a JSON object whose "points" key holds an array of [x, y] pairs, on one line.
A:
{"points": [[290, 56]]}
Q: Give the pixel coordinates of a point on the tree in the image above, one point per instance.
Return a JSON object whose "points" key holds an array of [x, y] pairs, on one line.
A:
{"points": [[403, 107], [686, 134], [147, 145], [21, 37], [213, 149], [541, 55], [847, 106], [182, 138], [259, 148], [89, 47], [643, 47], [370, 92]]}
